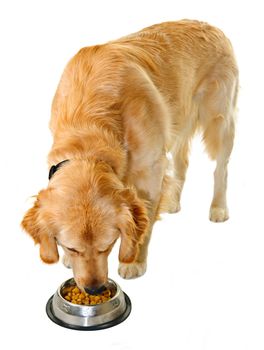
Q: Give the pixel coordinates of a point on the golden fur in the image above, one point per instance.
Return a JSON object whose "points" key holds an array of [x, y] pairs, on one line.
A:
{"points": [[118, 110]]}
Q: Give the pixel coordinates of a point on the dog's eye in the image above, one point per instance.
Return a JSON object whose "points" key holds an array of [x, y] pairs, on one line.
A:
{"points": [[103, 251], [72, 250]]}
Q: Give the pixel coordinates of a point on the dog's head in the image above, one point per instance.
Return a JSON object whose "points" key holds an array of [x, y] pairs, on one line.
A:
{"points": [[85, 209]]}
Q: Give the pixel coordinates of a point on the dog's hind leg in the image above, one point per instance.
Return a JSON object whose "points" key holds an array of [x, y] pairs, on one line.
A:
{"points": [[217, 121], [225, 135]]}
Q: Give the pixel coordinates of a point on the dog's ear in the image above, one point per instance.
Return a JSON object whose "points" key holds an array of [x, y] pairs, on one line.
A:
{"points": [[133, 225], [35, 222]]}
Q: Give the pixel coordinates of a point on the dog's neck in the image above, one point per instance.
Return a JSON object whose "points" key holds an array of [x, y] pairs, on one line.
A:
{"points": [[89, 145]]}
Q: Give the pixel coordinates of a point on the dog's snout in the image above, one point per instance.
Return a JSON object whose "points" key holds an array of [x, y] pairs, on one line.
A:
{"points": [[94, 290]]}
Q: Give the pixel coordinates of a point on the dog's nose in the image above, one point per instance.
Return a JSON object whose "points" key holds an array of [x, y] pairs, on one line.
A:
{"points": [[95, 290]]}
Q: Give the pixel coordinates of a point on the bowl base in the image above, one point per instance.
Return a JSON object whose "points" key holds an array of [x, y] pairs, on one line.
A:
{"points": [[119, 319]]}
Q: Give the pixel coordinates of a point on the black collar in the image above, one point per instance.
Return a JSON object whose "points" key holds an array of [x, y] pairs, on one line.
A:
{"points": [[54, 168]]}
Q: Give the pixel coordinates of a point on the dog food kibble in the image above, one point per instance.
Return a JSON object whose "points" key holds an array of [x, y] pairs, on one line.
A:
{"points": [[76, 296]]}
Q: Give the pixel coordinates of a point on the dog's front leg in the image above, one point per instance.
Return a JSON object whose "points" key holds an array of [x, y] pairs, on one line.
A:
{"points": [[149, 190], [139, 266]]}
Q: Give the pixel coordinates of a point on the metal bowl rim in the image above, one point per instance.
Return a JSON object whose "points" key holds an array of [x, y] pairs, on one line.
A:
{"points": [[118, 320]]}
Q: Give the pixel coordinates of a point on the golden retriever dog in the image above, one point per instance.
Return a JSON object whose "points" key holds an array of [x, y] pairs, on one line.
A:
{"points": [[119, 110]]}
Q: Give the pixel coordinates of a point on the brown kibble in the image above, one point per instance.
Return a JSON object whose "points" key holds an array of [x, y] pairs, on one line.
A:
{"points": [[74, 295], [76, 290], [106, 293], [67, 290]]}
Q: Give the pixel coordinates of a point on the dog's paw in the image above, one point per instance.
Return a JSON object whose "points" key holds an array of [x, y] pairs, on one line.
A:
{"points": [[174, 208], [218, 214], [66, 261], [132, 270]]}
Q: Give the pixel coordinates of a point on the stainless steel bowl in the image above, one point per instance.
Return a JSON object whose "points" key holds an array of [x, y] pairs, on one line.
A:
{"points": [[89, 317]]}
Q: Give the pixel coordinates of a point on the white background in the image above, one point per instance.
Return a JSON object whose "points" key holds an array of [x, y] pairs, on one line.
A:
{"points": [[204, 286]]}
